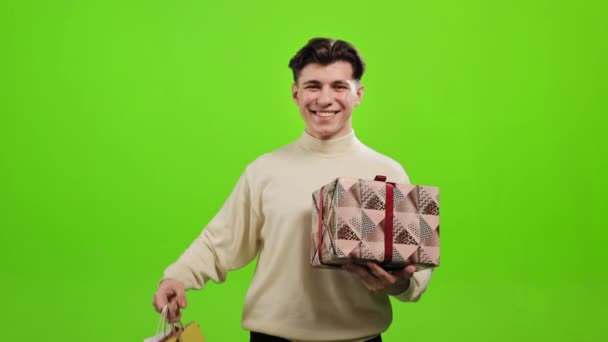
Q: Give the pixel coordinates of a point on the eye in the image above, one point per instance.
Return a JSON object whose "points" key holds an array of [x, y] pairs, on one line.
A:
{"points": [[311, 87]]}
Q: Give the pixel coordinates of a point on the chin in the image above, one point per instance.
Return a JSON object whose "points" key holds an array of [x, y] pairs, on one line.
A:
{"points": [[325, 134]]}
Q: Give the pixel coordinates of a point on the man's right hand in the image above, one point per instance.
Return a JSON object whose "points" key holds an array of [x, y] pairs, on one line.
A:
{"points": [[173, 293]]}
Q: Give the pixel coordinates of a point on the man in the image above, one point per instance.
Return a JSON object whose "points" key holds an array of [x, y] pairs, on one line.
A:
{"points": [[268, 215]]}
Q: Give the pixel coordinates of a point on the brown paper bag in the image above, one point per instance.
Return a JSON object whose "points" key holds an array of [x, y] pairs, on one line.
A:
{"points": [[189, 333]]}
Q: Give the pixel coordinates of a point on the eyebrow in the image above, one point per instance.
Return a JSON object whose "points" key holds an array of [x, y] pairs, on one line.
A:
{"points": [[340, 83], [315, 82]]}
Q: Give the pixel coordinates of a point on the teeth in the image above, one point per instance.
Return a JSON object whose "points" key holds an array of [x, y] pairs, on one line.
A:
{"points": [[325, 114]]}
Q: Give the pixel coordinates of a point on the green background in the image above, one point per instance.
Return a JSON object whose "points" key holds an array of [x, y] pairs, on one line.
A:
{"points": [[125, 124]]}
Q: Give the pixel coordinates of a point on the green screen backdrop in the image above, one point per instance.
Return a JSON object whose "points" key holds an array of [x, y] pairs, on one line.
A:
{"points": [[125, 124]]}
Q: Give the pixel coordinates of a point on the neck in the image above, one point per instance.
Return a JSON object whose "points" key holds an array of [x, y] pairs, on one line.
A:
{"points": [[329, 147]]}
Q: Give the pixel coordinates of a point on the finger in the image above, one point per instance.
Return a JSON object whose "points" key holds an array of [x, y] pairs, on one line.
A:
{"points": [[406, 272], [381, 273], [174, 317], [163, 296], [174, 314], [160, 300], [411, 269], [369, 280], [173, 306], [350, 267], [181, 298]]}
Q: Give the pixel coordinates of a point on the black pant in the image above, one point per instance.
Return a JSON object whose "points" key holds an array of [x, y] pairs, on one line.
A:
{"points": [[258, 337]]}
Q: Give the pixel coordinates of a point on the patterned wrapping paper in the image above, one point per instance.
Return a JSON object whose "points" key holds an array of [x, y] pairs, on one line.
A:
{"points": [[353, 224]]}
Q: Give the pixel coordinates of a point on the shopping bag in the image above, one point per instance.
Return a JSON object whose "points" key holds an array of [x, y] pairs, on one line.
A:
{"points": [[175, 332], [191, 332]]}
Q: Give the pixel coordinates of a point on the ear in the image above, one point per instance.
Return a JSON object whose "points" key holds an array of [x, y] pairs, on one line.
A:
{"points": [[359, 94], [294, 92]]}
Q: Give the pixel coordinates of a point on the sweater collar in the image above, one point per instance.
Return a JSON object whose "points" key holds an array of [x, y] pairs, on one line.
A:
{"points": [[331, 147]]}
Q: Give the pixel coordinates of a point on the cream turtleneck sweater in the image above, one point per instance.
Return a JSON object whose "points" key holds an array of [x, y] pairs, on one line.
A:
{"points": [[268, 215]]}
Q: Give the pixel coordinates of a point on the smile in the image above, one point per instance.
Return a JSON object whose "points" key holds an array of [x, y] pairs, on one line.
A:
{"points": [[325, 114]]}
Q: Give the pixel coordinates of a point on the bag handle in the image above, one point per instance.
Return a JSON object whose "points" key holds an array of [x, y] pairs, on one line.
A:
{"points": [[161, 327], [175, 331]]}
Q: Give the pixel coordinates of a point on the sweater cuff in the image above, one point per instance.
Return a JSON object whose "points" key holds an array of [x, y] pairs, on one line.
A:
{"points": [[183, 275], [409, 295], [418, 284]]}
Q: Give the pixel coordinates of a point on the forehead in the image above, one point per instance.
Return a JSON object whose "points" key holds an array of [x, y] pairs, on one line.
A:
{"points": [[337, 71]]}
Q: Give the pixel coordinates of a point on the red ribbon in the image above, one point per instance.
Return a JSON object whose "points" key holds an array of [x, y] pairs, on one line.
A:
{"points": [[388, 219], [388, 224], [320, 242]]}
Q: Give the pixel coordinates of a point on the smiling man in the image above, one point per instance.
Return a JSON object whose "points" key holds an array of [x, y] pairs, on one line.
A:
{"points": [[268, 215], [326, 96]]}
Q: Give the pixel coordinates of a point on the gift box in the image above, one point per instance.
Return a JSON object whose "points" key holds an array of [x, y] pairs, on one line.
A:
{"points": [[359, 221]]}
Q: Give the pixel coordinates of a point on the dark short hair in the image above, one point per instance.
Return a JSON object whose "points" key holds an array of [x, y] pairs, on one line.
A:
{"points": [[325, 51]]}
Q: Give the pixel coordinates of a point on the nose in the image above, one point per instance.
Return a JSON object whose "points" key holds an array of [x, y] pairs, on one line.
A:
{"points": [[325, 97]]}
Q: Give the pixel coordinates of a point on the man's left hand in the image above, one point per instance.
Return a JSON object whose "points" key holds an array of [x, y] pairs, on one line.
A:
{"points": [[376, 279]]}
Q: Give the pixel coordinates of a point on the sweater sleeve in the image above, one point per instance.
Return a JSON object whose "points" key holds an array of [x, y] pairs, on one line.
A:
{"points": [[403, 177], [230, 241], [418, 284]]}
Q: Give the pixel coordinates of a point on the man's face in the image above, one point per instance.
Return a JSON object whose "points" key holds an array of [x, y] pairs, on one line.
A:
{"points": [[326, 96]]}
